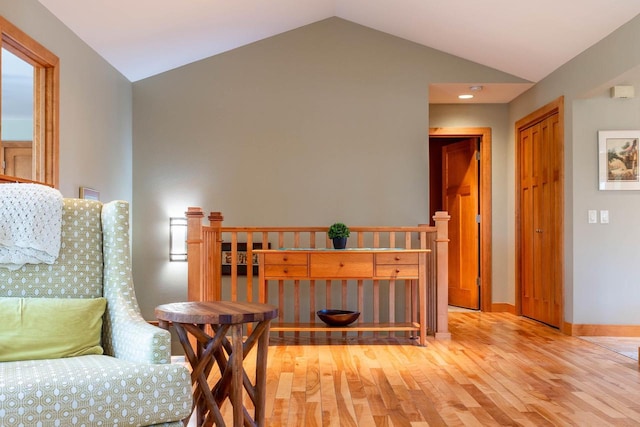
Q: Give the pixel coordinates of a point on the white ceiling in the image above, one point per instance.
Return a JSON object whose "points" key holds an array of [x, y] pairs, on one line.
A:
{"points": [[142, 38]]}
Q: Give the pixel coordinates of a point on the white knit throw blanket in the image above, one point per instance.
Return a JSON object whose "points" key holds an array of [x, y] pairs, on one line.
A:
{"points": [[30, 224]]}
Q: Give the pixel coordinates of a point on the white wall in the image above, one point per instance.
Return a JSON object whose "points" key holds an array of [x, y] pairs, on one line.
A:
{"points": [[327, 122], [95, 106]]}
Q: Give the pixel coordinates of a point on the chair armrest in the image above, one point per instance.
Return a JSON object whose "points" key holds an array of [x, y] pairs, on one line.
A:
{"points": [[126, 335], [132, 338]]}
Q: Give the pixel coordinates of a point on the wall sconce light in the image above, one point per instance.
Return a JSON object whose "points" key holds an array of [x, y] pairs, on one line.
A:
{"points": [[177, 239]]}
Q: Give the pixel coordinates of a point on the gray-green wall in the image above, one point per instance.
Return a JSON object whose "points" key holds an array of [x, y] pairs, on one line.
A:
{"points": [[331, 121], [606, 284], [323, 123], [494, 116], [95, 106], [599, 285]]}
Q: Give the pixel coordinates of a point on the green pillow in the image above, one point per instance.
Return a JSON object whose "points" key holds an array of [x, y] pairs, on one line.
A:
{"points": [[50, 328]]}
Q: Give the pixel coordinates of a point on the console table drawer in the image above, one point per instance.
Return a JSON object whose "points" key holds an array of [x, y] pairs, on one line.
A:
{"points": [[397, 258], [284, 271], [285, 259], [300, 265], [399, 271], [340, 266]]}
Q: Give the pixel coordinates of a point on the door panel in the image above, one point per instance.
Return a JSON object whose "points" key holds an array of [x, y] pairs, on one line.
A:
{"points": [[540, 213], [460, 199], [17, 159]]}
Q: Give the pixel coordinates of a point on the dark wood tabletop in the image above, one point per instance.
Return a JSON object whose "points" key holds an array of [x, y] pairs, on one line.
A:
{"points": [[215, 312]]}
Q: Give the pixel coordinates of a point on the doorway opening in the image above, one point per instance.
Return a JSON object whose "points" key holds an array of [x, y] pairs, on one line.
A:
{"points": [[460, 182]]}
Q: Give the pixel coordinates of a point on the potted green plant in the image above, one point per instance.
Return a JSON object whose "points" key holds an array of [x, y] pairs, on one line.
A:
{"points": [[338, 232]]}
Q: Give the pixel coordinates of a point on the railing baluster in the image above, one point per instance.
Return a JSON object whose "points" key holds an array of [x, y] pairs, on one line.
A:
{"points": [[312, 287], [234, 266], [249, 264]]}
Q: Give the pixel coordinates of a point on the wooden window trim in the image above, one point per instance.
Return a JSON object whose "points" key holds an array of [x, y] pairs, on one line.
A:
{"points": [[46, 149]]}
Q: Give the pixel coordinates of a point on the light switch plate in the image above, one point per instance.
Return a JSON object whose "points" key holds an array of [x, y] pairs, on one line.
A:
{"points": [[604, 217], [593, 217]]}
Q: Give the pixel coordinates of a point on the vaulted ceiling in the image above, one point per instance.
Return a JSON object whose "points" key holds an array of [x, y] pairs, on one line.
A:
{"points": [[529, 40]]}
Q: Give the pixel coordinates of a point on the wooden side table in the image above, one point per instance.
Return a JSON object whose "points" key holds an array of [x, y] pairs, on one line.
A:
{"points": [[191, 319]]}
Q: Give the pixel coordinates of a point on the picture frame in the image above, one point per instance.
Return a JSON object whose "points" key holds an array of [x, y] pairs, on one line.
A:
{"points": [[242, 258], [89, 193], [618, 157]]}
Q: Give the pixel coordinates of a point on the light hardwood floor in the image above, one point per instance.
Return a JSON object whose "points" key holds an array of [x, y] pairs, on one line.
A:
{"points": [[498, 369], [627, 346]]}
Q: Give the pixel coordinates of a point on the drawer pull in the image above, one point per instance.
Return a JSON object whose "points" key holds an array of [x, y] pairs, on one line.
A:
{"points": [[341, 264], [285, 259], [397, 258], [285, 271], [397, 270]]}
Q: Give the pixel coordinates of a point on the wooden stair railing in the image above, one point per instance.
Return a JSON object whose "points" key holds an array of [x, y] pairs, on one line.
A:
{"points": [[205, 270]]}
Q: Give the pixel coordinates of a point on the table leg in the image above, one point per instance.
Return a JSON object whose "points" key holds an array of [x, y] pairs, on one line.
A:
{"points": [[202, 361], [237, 373], [164, 324], [261, 376], [208, 352]]}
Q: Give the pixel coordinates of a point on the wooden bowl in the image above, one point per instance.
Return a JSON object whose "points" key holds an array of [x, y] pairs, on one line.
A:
{"points": [[338, 317]]}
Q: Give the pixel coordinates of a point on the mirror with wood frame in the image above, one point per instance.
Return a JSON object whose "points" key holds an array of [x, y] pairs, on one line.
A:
{"points": [[29, 89]]}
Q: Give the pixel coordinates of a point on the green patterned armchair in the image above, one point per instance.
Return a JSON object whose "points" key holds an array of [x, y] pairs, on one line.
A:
{"points": [[125, 378]]}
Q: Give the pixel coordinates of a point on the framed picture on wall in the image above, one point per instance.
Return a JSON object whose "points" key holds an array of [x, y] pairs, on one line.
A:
{"points": [[89, 193], [618, 159], [243, 258]]}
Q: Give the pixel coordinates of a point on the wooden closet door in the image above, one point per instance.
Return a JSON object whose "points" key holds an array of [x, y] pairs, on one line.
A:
{"points": [[540, 222]]}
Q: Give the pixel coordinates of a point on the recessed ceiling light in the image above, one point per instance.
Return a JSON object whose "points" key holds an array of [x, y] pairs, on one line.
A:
{"points": [[475, 88], [465, 96]]}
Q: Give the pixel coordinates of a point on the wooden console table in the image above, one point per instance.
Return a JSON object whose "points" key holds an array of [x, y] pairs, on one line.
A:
{"points": [[360, 264]]}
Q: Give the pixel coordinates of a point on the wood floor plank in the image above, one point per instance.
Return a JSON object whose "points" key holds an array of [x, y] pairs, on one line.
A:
{"points": [[297, 407], [312, 377], [486, 402], [346, 412], [427, 409], [312, 415], [330, 416]]}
